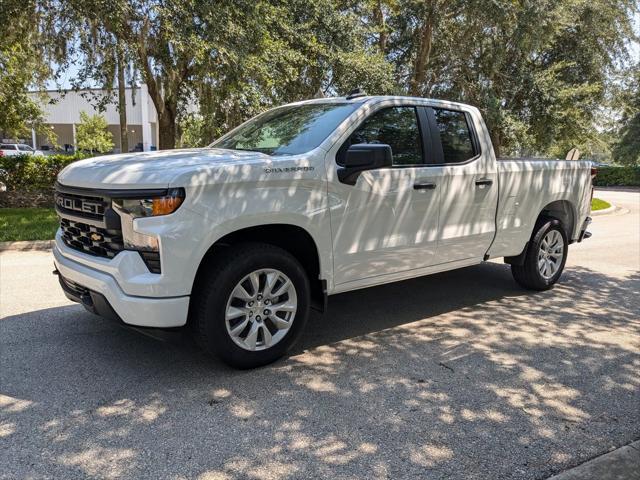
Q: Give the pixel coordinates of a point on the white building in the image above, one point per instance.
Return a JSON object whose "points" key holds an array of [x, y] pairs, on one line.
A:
{"points": [[62, 113]]}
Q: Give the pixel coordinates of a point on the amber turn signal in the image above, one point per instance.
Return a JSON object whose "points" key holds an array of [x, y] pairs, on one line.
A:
{"points": [[166, 205]]}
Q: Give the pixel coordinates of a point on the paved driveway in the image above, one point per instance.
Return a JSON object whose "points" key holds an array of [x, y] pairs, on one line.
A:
{"points": [[457, 375]]}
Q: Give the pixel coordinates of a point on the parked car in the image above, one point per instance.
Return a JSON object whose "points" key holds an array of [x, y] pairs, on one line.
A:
{"points": [[10, 149], [240, 239]]}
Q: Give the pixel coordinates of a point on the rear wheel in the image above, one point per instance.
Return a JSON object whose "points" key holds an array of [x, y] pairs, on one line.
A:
{"points": [[252, 306], [545, 258]]}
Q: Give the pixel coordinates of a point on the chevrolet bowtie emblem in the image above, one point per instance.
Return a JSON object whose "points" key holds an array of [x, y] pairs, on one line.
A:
{"points": [[96, 237]]}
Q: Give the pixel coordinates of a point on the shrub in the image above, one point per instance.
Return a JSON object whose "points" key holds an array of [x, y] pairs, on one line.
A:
{"points": [[92, 134], [29, 173], [618, 176]]}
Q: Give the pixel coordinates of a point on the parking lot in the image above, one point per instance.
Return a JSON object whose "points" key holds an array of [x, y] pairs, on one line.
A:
{"points": [[457, 375]]}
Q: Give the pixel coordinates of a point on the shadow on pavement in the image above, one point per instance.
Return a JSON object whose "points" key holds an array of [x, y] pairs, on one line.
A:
{"points": [[460, 374]]}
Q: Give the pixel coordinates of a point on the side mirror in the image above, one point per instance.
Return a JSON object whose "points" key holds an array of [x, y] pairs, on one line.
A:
{"points": [[361, 157]]}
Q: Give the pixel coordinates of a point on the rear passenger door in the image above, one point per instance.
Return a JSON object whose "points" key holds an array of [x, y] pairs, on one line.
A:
{"points": [[469, 193]]}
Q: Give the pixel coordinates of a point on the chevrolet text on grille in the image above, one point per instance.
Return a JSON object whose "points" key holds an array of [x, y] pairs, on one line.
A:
{"points": [[79, 205]]}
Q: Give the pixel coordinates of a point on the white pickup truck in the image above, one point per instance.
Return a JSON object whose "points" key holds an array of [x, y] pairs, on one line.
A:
{"points": [[240, 239]]}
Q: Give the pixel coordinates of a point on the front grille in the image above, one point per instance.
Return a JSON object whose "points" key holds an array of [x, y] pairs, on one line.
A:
{"points": [[91, 239], [84, 206], [89, 223]]}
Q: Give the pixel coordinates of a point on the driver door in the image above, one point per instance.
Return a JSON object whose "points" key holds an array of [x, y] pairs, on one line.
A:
{"points": [[388, 221]]}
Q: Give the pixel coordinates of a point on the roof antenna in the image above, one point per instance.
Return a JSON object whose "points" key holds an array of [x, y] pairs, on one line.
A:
{"points": [[355, 93]]}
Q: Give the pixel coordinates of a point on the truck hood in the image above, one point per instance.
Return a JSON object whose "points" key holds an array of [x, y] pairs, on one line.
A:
{"points": [[149, 169]]}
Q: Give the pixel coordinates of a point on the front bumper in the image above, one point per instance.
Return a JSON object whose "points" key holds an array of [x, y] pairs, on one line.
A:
{"points": [[100, 293]]}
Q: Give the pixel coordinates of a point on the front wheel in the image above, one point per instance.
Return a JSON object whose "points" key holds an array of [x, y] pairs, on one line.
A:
{"points": [[545, 258], [252, 306]]}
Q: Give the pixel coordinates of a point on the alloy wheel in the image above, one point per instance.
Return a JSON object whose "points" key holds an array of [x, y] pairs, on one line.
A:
{"points": [[261, 309], [550, 254]]}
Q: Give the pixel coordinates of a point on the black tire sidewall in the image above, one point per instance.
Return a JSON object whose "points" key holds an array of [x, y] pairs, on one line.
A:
{"points": [[532, 256], [247, 259]]}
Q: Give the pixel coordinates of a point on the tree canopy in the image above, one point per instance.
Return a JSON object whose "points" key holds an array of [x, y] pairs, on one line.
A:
{"points": [[544, 72], [25, 57]]}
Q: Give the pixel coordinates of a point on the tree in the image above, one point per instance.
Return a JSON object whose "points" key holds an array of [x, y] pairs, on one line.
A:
{"points": [[191, 132], [25, 63], [231, 59], [92, 134], [18, 111], [181, 47], [303, 48], [540, 71], [100, 55], [626, 148]]}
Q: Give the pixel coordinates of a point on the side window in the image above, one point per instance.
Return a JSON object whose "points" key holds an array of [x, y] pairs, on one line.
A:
{"points": [[396, 127], [455, 136], [25, 148]]}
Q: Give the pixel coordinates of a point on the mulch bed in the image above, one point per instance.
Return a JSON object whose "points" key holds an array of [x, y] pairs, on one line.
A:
{"points": [[14, 199]]}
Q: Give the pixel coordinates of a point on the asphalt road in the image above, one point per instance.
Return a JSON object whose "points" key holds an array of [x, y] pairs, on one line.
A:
{"points": [[457, 375]]}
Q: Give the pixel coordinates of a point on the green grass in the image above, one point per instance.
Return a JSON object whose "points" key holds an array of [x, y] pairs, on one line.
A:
{"points": [[597, 204], [27, 224]]}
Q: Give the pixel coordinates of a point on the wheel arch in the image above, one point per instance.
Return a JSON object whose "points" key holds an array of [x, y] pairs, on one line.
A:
{"points": [[563, 211], [292, 238]]}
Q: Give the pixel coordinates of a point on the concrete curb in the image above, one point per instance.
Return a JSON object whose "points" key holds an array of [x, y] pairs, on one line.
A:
{"points": [[605, 211], [26, 245], [621, 464], [617, 189]]}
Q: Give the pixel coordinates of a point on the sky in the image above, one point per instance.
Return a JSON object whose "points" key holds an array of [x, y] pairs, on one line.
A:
{"points": [[635, 46]]}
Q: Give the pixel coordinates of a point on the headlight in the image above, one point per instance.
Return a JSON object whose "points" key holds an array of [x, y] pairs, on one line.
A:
{"points": [[145, 206], [152, 206]]}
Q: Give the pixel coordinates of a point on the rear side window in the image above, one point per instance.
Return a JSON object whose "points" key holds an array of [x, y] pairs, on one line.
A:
{"points": [[455, 135], [6, 146], [396, 127]]}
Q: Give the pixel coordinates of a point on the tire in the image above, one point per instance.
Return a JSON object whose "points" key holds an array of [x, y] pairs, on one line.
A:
{"points": [[222, 305], [534, 275]]}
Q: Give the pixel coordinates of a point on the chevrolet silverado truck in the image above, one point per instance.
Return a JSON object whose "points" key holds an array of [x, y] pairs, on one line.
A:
{"points": [[237, 241]]}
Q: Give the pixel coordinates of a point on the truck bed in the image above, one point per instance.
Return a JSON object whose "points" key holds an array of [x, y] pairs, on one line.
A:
{"points": [[535, 184]]}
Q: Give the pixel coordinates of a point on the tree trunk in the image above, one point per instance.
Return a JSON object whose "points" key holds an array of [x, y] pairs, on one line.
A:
{"points": [[378, 16], [163, 91], [496, 139], [422, 57], [167, 129], [122, 104]]}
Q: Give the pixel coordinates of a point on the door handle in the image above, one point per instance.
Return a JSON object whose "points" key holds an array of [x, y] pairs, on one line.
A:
{"points": [[424, 186], [484, 182]]}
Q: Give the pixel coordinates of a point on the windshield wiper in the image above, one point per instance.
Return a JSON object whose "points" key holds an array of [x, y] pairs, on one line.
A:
{"points": [[266, 151]]}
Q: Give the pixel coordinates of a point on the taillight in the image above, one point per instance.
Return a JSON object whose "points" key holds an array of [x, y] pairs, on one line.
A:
{"points": [[594, 172]]}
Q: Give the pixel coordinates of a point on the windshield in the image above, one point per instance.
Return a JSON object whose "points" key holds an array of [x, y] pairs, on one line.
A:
{"points": [[288, 130]]}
